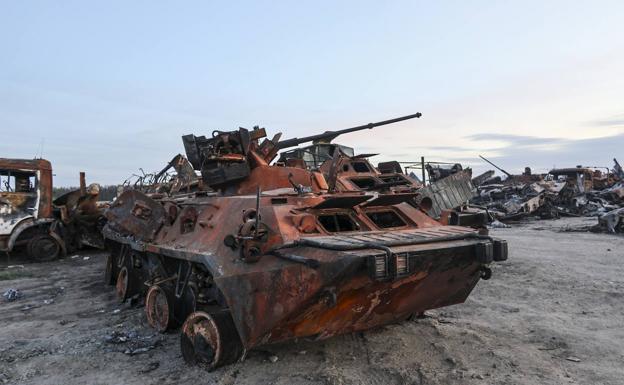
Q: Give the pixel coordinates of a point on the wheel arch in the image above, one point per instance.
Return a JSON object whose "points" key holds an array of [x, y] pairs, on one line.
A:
{"points": [[46, 224]]}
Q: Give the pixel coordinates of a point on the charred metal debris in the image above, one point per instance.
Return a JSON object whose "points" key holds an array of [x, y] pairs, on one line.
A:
{"points": [[575, 191], [243, 246]]}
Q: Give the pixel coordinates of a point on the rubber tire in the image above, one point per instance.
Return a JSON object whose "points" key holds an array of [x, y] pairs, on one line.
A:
{"points": [[43, 248]]}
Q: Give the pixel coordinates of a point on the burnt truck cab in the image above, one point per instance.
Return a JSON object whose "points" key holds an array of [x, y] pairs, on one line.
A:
{"points": [[29, 217], [579, 179], [26, 210]]}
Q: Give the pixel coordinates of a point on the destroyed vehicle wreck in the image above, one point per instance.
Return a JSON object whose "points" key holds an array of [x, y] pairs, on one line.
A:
{"points": [[182, 180], [576, 191], [29, 218], [267, 253]]}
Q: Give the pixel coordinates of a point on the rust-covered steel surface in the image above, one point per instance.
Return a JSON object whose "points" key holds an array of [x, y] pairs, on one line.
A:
{"points": [[358, 174], [450, 192], [272, 253]]}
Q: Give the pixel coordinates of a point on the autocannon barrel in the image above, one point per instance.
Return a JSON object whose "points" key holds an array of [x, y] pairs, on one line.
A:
{"points": [[331, 135]]}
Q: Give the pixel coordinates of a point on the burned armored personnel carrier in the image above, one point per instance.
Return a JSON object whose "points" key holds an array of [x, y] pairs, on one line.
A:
{"points": [[265, 253]]}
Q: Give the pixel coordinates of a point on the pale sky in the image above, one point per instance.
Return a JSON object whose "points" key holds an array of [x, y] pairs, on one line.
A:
{"points": [[109, 87]]}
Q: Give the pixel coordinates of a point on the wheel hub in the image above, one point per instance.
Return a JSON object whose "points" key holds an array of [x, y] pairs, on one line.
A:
{"points": [[158, 308]]}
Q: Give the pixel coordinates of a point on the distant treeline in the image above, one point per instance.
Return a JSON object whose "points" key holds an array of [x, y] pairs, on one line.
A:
{"points": [[107, 193]]}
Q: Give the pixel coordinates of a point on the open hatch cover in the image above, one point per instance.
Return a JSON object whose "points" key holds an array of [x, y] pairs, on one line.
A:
{"points": [[390, 199], [342, 202]]}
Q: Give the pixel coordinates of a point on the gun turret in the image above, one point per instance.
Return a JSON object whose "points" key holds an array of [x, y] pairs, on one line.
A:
{"points": [[230, 156], [328, 136]]}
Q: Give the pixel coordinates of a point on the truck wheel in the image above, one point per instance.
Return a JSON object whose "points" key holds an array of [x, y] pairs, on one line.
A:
{"points": [[43, 248]]}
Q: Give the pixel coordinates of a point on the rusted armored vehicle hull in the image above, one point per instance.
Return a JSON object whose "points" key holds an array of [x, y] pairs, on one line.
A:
{"points": [[265, 253], [311, 285], [344, 295]]}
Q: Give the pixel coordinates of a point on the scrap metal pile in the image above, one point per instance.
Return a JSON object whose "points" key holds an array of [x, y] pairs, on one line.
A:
{"points": [[577, 191]]}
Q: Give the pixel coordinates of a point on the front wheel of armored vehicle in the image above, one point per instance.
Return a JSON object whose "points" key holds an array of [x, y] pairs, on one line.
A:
{"points": [[43, 248], [210, 340]]}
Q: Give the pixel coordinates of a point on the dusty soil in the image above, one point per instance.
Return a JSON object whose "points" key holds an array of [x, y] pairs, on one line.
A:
{"points": [[552, 314]]}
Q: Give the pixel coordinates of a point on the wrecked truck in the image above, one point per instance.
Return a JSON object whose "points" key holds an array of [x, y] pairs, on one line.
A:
{"points": [[270, 252], [30, 218]]}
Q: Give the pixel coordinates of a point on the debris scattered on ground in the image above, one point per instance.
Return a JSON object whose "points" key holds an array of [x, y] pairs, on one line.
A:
{"points": [[132, 341], [132, 352], [150, 367], [4, 378], [12, 295], [118, 337], [273, 359], [573, 359]]}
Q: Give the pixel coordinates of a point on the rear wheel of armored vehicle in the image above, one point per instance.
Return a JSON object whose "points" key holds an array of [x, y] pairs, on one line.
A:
{"points": [[127, 285], [159, 308], [110, 276], [43, 248], [210, 340]]}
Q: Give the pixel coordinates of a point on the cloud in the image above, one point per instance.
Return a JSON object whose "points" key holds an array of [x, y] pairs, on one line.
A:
{"points": [[542, 154], [616, 120], [516, 140]]}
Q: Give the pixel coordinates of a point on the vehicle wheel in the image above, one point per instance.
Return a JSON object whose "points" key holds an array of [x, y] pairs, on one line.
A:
{"points": [[123, 286], [210, 340], [159, 308], [110, 275], [43, 248]]}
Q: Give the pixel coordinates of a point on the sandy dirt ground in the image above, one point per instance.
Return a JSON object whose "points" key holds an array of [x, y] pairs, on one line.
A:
{"points": [[552, 314]]}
